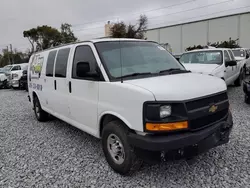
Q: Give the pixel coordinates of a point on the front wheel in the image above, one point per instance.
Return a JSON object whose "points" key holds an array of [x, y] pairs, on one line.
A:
{"points": [[119, 154]]}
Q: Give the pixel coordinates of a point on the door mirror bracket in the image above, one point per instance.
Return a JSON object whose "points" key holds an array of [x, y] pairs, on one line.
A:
{"points": [[230, 63], [83, 70]]}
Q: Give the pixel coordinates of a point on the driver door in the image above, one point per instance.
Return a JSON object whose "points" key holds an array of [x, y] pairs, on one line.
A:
{"points": [[236, 68], [229, 70]]}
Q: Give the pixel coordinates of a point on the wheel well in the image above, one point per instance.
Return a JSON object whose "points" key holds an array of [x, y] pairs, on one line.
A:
{"points": [[107, 118], [34, 95]]}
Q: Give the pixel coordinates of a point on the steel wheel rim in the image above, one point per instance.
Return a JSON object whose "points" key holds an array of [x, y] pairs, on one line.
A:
{"points": [[116, 149]]}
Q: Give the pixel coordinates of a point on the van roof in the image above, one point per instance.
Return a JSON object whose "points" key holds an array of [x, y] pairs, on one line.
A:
{"points": [[96, 41]]}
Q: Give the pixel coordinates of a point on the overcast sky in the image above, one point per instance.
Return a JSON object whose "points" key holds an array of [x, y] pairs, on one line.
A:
{"points": [[88, 17]]}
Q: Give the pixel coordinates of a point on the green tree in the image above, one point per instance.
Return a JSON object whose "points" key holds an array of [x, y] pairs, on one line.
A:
{"points": [[44, 37], [4, 58], [16, 57], [121, 30], [226, 44], [223, 44], [67, 35]]}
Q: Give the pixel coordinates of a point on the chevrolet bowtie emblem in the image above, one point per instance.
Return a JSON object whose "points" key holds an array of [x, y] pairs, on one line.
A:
{"points": [[213, 108]]}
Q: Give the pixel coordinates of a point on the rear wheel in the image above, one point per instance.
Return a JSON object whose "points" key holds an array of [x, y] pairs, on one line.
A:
{"points": [[41, 115], [239, 80], [117, 150]]}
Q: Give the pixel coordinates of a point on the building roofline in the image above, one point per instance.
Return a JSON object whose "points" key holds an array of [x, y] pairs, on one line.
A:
{"points": [[202, 20]]}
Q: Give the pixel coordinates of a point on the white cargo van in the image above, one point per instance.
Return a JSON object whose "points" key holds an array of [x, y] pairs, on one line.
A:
{"points": [[133, 95]]}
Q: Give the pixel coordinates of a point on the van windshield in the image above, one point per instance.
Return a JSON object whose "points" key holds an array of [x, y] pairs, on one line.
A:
{"points": [[136, 58], [202, 57]]}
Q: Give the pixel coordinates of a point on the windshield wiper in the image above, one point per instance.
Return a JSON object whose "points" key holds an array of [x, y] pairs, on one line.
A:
{"points": [[135, 74], [174, 71]]}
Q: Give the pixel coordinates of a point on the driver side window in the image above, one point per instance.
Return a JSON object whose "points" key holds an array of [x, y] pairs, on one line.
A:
{"points": [[84, 53]]}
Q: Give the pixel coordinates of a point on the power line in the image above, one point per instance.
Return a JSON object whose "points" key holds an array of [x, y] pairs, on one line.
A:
{"points": [[191, 9], [165, 14], [197, 17], [166, 7]]}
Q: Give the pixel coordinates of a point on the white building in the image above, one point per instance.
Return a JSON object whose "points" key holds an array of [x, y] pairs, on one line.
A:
{"points": [[181, 36]]}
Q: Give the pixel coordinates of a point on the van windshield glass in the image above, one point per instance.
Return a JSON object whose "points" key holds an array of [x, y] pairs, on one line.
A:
{"points": [[202, 57], [239, 53], [137, 58]]}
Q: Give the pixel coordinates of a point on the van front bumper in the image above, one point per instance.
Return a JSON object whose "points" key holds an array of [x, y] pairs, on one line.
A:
{"points": [[202, 140]]}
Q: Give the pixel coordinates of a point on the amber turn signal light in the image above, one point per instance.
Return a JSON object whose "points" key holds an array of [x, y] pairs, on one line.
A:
{"points": [[167, 126]]}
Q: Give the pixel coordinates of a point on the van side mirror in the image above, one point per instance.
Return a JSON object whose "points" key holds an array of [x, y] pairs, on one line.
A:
{"points": [[83, 70], [230, 63]]}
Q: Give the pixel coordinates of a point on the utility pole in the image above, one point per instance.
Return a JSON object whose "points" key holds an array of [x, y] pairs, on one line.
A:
{"points": [[8, 54], [12, 62]]}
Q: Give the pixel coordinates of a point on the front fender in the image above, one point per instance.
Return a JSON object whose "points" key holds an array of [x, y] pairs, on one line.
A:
{"points": [[123, 119]]}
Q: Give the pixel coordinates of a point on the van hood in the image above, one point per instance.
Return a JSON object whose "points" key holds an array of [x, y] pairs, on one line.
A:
{"points": [[180, 86], [239, 58], [201, 68]]}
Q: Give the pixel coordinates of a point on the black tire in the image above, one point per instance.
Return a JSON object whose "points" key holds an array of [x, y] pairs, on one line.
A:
{"points": [[247, 99], [131, 162], [41, 115], [239, 80]]}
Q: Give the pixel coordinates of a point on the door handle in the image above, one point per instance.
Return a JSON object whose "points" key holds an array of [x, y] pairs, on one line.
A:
{"points": [[55, 84], [70, 86]]}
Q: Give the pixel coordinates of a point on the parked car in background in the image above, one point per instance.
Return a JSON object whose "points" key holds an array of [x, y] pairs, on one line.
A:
{"points": [[217, 62], [177, 56], [143, 100], [242, 54], [246, 89], [16, 73], [4, 79], [24, 81]]}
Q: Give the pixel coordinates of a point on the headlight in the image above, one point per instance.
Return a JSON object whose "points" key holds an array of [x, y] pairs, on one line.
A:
{"points": [[165, 111], [164, 116], [15, 75]]}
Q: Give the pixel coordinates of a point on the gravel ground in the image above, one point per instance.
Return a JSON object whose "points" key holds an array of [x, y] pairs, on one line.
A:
{"points": [[55, 154]]}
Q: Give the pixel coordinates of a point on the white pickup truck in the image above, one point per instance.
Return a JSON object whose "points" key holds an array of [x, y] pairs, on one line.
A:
{"points": [[16, 72], [219, 62], [242, 54]]}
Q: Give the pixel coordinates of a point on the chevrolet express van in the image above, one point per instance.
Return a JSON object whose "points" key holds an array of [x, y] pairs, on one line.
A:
{"points": [[133, 95]]}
